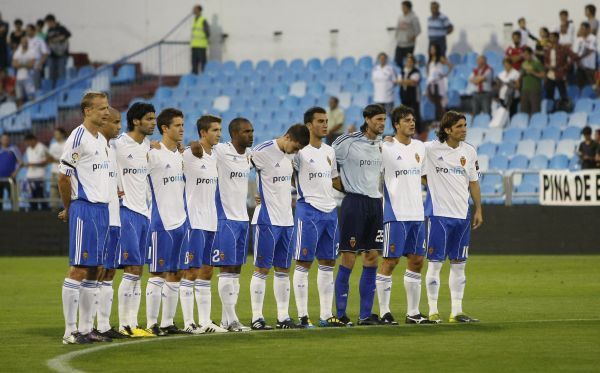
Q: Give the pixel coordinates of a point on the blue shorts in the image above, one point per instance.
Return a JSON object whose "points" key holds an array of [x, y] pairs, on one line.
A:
{"points": [[199, 248], [271, 246], [134, 237], [167, 248], [110, 248], [88, 231], [230, 245], [403, 238], [448, 238], [361, 223], [315, 234]]}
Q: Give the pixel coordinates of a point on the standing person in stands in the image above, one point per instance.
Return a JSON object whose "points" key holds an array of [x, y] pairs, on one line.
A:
{"points": [[482, 78], [407, 30], [438, 27], [509, 87], [532, 74], [566, 29], [542, 44], [335, 114], [199, 41], [384, 78], [37, 159], [40, 49], [515, 51], [4, 26], [438, 69], [58, 42], [410, 92], [525, 33], [590, 14], [9, 166], [587, 149], [16, 35], [55, 151], [557, 60], [586, 48]]}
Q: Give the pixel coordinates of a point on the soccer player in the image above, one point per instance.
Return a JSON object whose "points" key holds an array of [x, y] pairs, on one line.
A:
{"points": [[168, 225], [315, 224], [200, 191], [273, 223], [404, 231], [84, 188], [358, 156], [452, 174], [229, 248], [105, 281], [132, 159]]}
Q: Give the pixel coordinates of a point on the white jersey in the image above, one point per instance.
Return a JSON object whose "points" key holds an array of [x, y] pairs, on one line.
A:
{"points": [[113, 206], [315, 167], [167, 183], [274, 181], [232, 188], [402, 167], [200, 189], [449, 172], [86, 159], [132, 159]]}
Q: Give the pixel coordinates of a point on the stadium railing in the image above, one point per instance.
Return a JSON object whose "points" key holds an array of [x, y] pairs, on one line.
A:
{"points": [[14, 195]]}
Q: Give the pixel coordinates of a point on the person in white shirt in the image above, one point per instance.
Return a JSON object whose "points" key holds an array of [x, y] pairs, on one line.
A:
{"points": [[403, 215], [509, 90], [587, 50], [384, 78], [590, 14], [273, 223], [168, 224], [55, 151], [84, 189], [566, 29], [105, 281], [315, 223], [438, 70], [37, 159], [230, 245], [40, 48], [201, 177], [24, 62], [132, 150], [452, 175]]}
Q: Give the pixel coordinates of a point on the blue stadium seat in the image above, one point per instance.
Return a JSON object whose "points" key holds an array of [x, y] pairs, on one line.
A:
{"points": [[587, 92], [359, 76], [498, 162], [125, 74], [360, 99], [494, 180], [313, 65], [518, 162], [572, 92], [538, 120], [559, 162], [365, 63], [512, 134], [296, 65], [558, 119], [427, 110], [85, 71], [354, 115], [481, 120], [507, 149], [330, 64], [246, 65], [546, 147], [70, 98], [532, 134], [333, 88], [578, 120], [526, 188], [574, 164], [475, 136], [488, 149], [468, 119], [457, 84], [350, 86], [519, 120], [230, 91], [571, 133], [493, 135], [279, 65], [308, 101], [585, 105], [551, 133], [531, 178], [315, 89], [291, 102], [455, 59], [567, 147], [484, 162], [526, 147], [539, 162], [453, 99], [594, 118], [188, 80], [348, 64]]}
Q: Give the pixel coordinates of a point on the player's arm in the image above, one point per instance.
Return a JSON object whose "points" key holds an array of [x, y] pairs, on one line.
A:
{"points": [[64, 188], [475, 191], [336, 182]]}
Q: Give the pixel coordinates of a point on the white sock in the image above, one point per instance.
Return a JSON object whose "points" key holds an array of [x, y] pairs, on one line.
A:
{"points": [[226, 288], [136, 298], [87, 297], [70, 301], [236, 287], [203, 300], [170, 293], [457, 281], [384, 293], [125, 296], [300, 280], [412, 286], [281, 288], [153, 297], [186, 295], [326, 290], [105, 300], [432, 280], [258, 285]]}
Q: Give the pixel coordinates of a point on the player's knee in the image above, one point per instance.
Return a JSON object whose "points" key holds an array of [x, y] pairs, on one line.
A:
{"points": [[370, 258], [281, 270], [348, 259], [134, 270], [77, 273], [327, 262], [109, 274], [303, 264], [263, 271], [415, 263], [205, 273], [388, 265], [92, 273]]}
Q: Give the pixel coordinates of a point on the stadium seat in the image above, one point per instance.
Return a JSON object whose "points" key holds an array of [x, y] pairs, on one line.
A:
{"points": [[279, 65], [507, 149], [525, 188], [484, 162], [263, 67], [453, 99], [221, 103], [488, 148], [427, 110], [559, 162], [296, 65], [551, 133], [530, 177], [518, 162], [567, 147], [538, 120], [578, 120], [298, 89], [539, 162], [587, 92], [360, 99], [125, 74], [475, 136], [571, 133], [458, 84], [365, 63], [493, 135], [481, 120], [526, 147], [532, 134], [7, 108], [333, 88], [546, 147], [585, 105], [493, 179], [313, 65], [512, 135], [348, 64], [574, 164], [594, 118], [246, 66], [499, 162], [558, 119], [519, 120], [572, 93]]}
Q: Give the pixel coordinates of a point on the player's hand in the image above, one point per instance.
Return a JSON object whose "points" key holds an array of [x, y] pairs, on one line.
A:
{"points": [[257, 199], [63, 215], [477, 219], [154, 144], [196, 149]]}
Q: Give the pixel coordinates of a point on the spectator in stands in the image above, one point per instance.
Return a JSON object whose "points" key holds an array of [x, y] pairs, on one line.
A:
{"points": [[410, 92], [588, 149], [482, 78], [199, 41], [55, 152], [532, 75], [384, 78], [24, 62], [335, 116], [39, 29], [16, 35], [37, 159], [9, 165], [542, 44], [525, 33], [515, 52], [509, 87], [438, 69], [557, 60], [586, 49], [597, 140], [438, 27], [407, 30], [4, 26], [566, 29], [590, 13], [40, 48], [58, 43]]}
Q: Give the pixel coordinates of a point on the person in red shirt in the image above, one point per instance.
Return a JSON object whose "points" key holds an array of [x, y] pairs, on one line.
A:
{"points": [[515, 52]]}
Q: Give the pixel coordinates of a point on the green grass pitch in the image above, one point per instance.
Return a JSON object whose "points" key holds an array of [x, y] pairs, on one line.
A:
{"points": [[538, 313]]}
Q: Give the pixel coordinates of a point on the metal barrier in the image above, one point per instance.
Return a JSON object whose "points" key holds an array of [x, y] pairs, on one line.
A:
{"points": [[14, 198]]}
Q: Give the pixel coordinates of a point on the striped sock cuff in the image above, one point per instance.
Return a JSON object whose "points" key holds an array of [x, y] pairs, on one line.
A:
{"points": [[71, 284], [325, 268], [107, 283], [383, 278], [301, 269], [259, 275], [227, 275], [187, 283], [130, 277], [281, 274], [412, 275], [89, 284], [202, 283]]}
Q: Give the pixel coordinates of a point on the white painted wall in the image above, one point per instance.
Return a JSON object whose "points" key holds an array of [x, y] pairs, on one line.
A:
{"points": [[110, 29]]}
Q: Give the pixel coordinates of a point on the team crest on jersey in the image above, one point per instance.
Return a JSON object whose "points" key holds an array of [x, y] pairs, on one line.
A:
{"points": [[85, 255], [222, 256], [417, 157], [125, 255], [161, 262], [329, 160], [352, 242], [305, 251], [393, 248], [75, 157], [190, 256], [463, 161], [430, 250]]}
